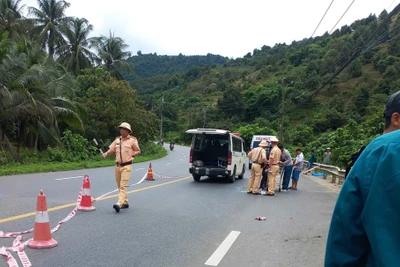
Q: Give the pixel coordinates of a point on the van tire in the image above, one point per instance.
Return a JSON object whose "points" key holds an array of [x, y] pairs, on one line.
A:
{"points": [[232, 178], [196, 178], [243, 171], [250, 166]]}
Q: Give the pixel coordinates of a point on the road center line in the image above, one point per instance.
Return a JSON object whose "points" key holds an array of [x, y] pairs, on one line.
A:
{"points": [[68, 178], [21, 216], [219, 254]]}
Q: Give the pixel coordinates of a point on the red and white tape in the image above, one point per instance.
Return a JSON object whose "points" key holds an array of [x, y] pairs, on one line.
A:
{"points": [[161, 176], [19, 247], [116, 190]]}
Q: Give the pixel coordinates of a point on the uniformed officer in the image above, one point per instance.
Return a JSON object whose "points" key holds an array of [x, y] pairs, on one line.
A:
{"points": [[259, 157], [273, 170], [126, 148]]}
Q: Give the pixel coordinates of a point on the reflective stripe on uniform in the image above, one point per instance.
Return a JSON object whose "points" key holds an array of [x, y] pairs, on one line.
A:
{"points": [[42, 217]]}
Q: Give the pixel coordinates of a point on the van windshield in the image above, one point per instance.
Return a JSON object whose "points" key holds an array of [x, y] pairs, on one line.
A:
{"points": [[205, 141], [256, 143]]}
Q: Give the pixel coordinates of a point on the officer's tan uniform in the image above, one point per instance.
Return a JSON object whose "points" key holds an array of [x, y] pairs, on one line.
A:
{"points": [[258, 156], [274, 158], [125, 149]]}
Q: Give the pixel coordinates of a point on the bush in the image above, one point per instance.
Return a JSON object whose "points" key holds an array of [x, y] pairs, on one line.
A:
{"points": [[77, 147]]}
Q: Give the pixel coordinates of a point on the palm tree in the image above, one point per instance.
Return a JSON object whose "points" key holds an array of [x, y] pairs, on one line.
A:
{"points": [[11, 20], [111, 51], [75, 54], [49, 18], [35, 98]]}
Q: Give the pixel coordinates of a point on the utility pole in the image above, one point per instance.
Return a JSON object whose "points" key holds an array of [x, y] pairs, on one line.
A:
{"points": [[161, 124], [282, 111], [283, 107], [204, 116]]}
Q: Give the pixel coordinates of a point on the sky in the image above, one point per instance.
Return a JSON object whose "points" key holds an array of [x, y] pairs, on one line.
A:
{"points": [[230, 28]]}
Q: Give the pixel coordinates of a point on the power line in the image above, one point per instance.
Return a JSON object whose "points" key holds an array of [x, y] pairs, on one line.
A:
{"points": [[342, 16], [391, 5], [322, 18]]}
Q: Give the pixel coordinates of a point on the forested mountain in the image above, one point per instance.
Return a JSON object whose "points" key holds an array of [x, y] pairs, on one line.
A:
{"points": [[151, 71], [334, 87]]}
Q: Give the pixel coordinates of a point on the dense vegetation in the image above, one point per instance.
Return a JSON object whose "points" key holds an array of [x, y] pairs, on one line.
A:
{"points": [[57, 84], [335, 87], [59, 88]]}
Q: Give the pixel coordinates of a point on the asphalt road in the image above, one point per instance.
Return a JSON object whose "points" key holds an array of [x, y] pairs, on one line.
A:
{"points": [[172, 221]]}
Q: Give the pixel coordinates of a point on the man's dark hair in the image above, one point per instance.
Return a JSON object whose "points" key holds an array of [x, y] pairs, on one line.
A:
{"points": [[388, 121], [392, 106], [280, 145], [312, 150], [298, 149]]}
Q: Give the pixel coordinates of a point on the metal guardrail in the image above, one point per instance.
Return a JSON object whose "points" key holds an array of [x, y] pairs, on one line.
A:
{"points": [[337, 173]]}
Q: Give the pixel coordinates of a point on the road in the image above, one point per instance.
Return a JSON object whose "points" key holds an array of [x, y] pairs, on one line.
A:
{"points": [[171, 221]]}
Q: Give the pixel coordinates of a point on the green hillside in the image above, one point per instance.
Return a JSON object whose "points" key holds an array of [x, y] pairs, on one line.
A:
{"points": [[335, 87], [151, 71]]}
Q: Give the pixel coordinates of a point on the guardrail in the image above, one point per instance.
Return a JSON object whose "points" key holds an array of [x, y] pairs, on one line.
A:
{"points": [[336, 173]]}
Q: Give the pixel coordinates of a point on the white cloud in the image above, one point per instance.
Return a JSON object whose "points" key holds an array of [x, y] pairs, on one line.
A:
{"points": [[229, 28]]}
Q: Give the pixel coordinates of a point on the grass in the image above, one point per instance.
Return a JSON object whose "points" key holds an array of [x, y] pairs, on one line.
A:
{"points": [[16, 168]]}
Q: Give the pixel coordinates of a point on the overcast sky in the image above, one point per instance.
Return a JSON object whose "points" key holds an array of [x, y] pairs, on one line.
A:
{"points": [[229, 28]]}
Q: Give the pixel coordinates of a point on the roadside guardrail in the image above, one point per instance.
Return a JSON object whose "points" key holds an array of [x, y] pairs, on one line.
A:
{"points": [[328, 170]]}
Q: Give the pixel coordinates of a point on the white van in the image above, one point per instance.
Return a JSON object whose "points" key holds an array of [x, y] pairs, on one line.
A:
{"points": [[216, 152], [255, 141]]}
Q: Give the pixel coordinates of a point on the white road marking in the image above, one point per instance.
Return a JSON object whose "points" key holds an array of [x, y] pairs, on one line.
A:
{"points": [[138, 169], [219, 254], [169, 163], [68, 178]]}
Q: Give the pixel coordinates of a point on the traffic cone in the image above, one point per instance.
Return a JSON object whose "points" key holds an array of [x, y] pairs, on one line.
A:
{"points": [[41, 232], [150, 174], [86, 201]]}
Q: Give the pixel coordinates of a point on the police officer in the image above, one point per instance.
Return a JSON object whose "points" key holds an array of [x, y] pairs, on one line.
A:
{"points": [[259, 158], [273, 170], [126, 148]]}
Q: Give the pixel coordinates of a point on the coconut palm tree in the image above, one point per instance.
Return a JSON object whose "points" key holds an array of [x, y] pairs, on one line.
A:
{"points": [[49, 18], [36, 98], [11, 20], [75, 54], [111, 51]]}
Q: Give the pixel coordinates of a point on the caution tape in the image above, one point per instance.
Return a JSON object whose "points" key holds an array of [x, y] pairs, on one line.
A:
{"points": [[19, 247], [161, 176], [109, 193]]}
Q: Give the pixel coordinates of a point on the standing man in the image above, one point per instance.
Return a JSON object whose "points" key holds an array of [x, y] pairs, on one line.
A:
{"points": [[327, 156], [298, 166], [126, 148], [311, 161], [365, 223], [273, 170], [287, 165], [259, 157]]}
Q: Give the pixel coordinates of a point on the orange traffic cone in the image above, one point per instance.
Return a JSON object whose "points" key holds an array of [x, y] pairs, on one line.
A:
{"points": [[86, 202], [150, 174], [41, 232]]}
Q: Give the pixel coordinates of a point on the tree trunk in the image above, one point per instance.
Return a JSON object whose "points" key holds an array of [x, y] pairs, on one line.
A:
{"points": [[11, 149], [36, 142]]}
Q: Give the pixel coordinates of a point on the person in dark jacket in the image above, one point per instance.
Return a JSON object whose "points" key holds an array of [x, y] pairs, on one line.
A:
{"points": [[365, 224]]}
